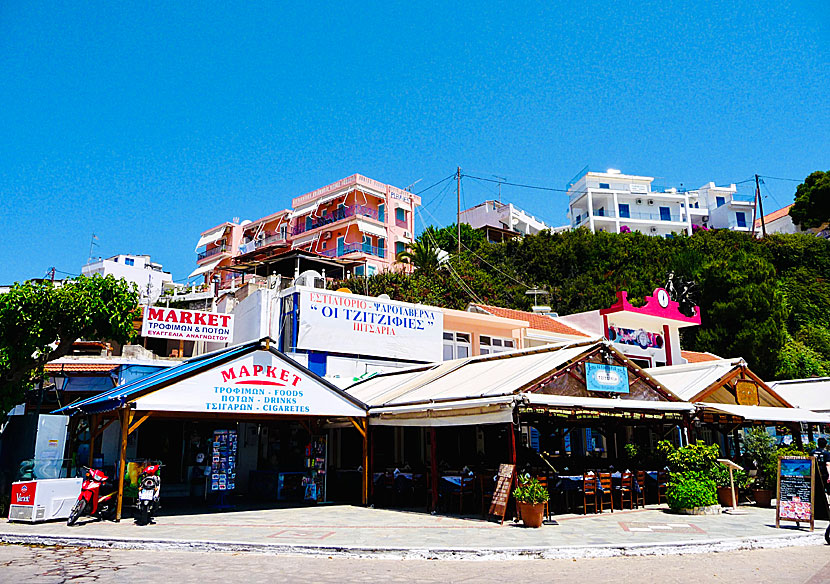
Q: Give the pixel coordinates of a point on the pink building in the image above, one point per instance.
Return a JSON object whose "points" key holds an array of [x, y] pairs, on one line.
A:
{"points": [[357, 220]]}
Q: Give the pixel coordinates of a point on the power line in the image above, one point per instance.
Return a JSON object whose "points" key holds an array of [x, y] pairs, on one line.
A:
{"points": [[512, 184], [798, 180], [435, 184]]}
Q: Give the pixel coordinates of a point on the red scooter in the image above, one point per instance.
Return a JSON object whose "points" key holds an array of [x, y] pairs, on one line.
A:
{"points": [[97, 497]]}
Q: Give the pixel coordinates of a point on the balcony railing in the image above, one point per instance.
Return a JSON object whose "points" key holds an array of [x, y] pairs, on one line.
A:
{"points": [[211, 252], [336, 215], [270, 240], [401, 223], [653, 217], [355, 248], [743, 197]]}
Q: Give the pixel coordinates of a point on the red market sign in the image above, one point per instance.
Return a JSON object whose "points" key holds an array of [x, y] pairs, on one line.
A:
{"points": [[187, 325]]}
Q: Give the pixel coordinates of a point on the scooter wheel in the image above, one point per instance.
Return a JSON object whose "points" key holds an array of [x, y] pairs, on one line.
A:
{"points": [[827, 535], [143, 515], [77, 511]]}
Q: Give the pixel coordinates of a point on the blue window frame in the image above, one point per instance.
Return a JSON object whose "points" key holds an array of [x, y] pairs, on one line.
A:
{"points": [[400, 214], [382, 213], [604, 185], [720, 201], [129, 262], [740, 216], [665, 214], [625, 210]]}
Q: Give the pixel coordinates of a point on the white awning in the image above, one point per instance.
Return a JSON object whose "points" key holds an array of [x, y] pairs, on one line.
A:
{"points": [[604, 403], [492, 410], [371, 229], [211, 236], [313, 205], [205, 268], [767, 414], [304, 240]]}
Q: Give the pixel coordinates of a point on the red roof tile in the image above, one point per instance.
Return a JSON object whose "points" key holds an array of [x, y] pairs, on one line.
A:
{"points": [[696, 357], [80, 367], [539, 322], [774, 215]]}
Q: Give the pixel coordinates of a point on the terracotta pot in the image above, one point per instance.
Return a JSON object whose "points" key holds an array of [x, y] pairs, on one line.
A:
{"points": [[763, 497], [532, 514], [725, 496]]}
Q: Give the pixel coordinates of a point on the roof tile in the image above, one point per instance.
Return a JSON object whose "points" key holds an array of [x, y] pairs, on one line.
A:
{"points": [[538, 322]]}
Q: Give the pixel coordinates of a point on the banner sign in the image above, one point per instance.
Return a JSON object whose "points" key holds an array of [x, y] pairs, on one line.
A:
{"points": [[258, 383], [611, 378], [796, 490], [339, 322], [635, 337], [187, 325]]}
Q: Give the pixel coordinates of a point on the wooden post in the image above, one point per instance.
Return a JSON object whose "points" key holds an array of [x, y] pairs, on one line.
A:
{"points": [[512, 452], [125, 415], [366, 475]]}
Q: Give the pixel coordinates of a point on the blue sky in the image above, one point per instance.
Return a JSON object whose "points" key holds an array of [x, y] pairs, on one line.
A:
{"points": [[147, 125]]}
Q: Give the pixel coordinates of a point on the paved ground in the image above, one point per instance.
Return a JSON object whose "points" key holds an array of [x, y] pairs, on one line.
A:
{"points": [[388, 533], [802, 565]]}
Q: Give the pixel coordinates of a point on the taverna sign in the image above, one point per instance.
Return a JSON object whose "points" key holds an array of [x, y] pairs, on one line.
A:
{"points": [[187, 325]]}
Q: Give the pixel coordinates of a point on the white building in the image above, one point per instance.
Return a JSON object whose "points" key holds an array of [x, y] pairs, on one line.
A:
{"points": [[500, 221], [148, 276], [619, 203]]}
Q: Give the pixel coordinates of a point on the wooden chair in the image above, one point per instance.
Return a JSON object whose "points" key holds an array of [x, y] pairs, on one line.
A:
{"points": [[605, 491], [640, 492], [543, 480], [464, 490], [662, 485], [486, 488], [589, 492], [626, 490]]}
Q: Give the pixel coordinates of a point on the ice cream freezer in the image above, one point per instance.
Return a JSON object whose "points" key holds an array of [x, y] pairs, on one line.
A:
{"points": [[42, 500]]}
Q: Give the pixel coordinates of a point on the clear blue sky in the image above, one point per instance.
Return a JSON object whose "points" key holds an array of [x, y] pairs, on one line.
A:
{"points": [[147, 125]]}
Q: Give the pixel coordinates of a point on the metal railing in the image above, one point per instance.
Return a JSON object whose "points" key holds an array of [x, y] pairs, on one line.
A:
{"points": [[211, 252], [354, 248], [337, 214]]}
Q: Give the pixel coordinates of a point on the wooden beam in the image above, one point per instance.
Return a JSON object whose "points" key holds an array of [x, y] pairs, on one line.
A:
{"points": [[126, 416], [100, 430], [357, 424], [365, 462], [140, 421]]}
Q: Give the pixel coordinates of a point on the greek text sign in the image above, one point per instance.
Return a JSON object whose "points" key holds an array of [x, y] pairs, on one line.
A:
{"points": [[346, 323], [187, 325], [259, 383], [611, 378]]}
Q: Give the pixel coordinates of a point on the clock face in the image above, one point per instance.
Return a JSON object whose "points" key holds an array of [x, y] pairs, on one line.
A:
{"points": [[663, 298]]}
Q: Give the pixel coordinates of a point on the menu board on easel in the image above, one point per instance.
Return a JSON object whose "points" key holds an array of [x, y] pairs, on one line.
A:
{"points": [[504, 481], [796, 490], [223, 461]]}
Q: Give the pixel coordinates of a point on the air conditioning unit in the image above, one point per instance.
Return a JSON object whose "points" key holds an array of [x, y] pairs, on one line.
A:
{"points": [[407, 235], [327, 235], [651, 201], [705, 218], [639, 201], [654, 230]]}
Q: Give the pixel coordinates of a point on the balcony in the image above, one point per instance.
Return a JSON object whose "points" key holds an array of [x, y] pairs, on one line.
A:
{"points": [[671, 217], [337, 215], [401, 223], [211, 252], [355, 248]]}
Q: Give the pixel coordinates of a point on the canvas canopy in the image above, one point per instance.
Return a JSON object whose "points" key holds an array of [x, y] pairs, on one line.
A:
{"points": [[766, 414], [211, 236]]}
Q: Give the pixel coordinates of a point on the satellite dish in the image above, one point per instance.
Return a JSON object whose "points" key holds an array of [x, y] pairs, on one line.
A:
{"points": [[310, 278], [384, 297], [245, 222]]}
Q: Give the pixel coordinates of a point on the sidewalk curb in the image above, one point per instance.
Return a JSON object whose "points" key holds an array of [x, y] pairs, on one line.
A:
{"points": [[439, 553]]}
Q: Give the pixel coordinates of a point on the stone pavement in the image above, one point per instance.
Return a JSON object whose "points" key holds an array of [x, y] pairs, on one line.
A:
{"points": [[356, 531]]}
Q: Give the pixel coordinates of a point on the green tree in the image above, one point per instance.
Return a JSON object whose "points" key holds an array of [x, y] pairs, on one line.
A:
{"points": [[423, 255], [812, 200], [39, 322], [446, 238]]}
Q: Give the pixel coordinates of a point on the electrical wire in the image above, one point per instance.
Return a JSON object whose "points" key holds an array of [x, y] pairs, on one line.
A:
{"points": [[798, 180]]}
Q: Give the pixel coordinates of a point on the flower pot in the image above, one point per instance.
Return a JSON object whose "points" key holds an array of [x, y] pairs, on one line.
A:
{"points": [[532, 514], [763, 497], [725, 496]]}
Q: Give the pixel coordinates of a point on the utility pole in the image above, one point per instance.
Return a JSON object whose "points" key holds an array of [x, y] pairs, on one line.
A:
{"points": [[760, 206], [458, 205]]}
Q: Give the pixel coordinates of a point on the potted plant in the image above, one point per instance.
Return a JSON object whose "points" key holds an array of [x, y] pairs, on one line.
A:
{"points": [[530, 498], [692, 488], [759, 446]]}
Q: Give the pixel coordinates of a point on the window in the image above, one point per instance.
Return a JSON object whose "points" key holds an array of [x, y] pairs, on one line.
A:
{"points": [[324, 245], [131, 261], [601, 212], [367, 244], [382, 213], [399, 247], [283, 231], [741, 218], [720, 201], [625, 210], [358, 270], [341, 247], [456, 345], [491, 345], [381, 247], [324, 213], [308, 223], [604, 185], [665, 214], [400, 214]]}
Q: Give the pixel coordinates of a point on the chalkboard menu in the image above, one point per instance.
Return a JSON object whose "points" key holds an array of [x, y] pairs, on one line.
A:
{"points": [[796, 490], [504, 481], [223, 461]]}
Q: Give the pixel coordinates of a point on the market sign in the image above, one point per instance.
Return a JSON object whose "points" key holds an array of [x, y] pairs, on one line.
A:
{"points": [[187, 325], [608, 378], [796, 490], [638, 341], [339, 322], [257, 383]]}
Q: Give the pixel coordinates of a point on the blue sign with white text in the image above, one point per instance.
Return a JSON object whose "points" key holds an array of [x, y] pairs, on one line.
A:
{"points": [[611, 378]]}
